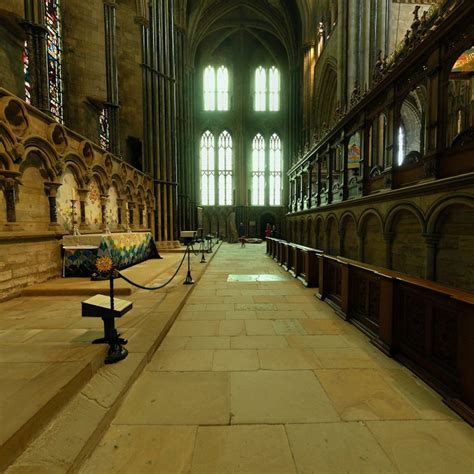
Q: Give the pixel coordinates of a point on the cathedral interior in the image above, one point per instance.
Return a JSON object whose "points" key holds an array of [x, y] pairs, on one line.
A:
{"points": [[305, 167]]}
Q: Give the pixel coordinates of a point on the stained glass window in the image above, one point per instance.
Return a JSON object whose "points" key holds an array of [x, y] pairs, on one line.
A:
{"points": [[26, 73], [274, 89], [216, 89], [104, 133], [225, 169], [54, 50], [260, 89], [258, 171], [275, 170], [208, 191]]}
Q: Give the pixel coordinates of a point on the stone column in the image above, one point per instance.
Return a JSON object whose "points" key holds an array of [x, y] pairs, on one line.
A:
{"points": [[131, 207], [119, 214], [388, 239], [104, 198], [143, 23], [149, 218], [82, 211], [342, 51], [51, 190], [9, 189], [37, 55], [141, 208], [431, 241], [112, 74]]}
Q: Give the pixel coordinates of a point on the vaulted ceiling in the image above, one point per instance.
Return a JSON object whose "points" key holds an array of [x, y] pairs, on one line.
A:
{"points": [[269, 21]]}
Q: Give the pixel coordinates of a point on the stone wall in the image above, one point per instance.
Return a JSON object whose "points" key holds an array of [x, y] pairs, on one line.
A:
{"points": [[84, 66], [43, 167], [217, 219], [130, 79], [12, 38], [26, 259]]}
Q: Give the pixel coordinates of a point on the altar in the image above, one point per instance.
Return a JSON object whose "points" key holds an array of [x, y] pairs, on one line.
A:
{"points": [[80, 252]]}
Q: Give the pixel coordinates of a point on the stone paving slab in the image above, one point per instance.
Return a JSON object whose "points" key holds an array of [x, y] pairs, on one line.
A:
{"points": [[95, 400], [239, 390]]}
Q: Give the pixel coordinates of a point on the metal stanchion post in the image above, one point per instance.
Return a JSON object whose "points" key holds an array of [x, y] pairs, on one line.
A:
{"points": [[189, 279], [203, 257]]}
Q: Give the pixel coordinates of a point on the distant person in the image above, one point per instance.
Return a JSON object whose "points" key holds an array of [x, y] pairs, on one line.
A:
{"points": [[268, 231], [242, 235], [274, 231]]}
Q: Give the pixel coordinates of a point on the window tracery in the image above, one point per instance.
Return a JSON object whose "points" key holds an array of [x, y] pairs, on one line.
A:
{"points": [[216, 89], [267, 89], [225, 169], [208, 195], [258, 171], [216, 169]]}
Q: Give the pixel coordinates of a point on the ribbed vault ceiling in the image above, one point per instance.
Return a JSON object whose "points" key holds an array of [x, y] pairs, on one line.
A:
{"points": [[269, 21]]}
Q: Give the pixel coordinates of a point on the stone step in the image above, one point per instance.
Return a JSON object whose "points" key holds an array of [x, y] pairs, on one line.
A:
{"points": [[143, 273], [71, 436], [35, 385]]}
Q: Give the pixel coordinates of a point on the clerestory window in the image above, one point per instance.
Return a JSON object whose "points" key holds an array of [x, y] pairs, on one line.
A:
{"points": [[267, 89], [216, 89]]}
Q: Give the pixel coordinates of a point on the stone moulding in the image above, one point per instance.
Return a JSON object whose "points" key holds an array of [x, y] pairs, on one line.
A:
{"points": [[24, 129]]}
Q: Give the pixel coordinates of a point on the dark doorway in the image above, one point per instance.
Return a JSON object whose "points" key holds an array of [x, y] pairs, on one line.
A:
{"points": [[265, 219]]}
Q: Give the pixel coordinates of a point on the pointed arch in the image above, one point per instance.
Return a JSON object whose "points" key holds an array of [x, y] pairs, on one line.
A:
{"points": [[326, 93]]}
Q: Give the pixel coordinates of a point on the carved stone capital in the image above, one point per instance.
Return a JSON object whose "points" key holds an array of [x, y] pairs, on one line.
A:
{"points": [[51, 189], [83, 194], [104, 199]]}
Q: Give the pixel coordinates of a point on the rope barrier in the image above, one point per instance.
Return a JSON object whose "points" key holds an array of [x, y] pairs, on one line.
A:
{"points": [[153, 288]]}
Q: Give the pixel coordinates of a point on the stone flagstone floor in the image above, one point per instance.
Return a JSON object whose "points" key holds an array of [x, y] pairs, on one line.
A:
{"points": [[261, 377]]}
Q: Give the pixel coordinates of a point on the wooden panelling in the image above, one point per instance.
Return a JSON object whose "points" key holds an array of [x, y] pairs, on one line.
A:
{"points": [[427, 326]]}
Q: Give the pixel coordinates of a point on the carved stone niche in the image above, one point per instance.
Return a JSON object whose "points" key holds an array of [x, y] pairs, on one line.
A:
{"points": [[57, 136], [123, 171], [87, 152], [14, 113], [108, 163]]}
